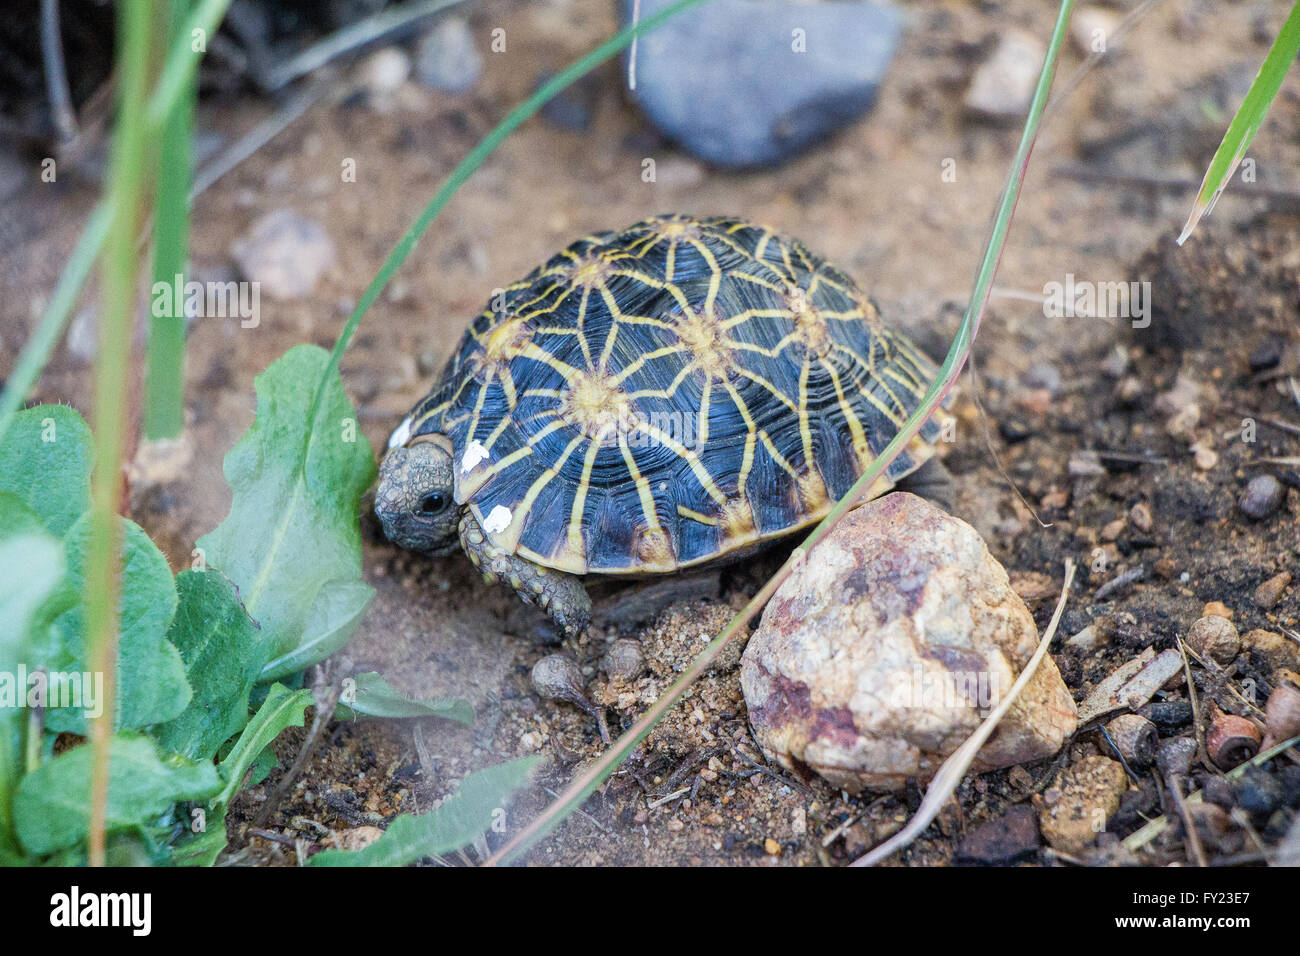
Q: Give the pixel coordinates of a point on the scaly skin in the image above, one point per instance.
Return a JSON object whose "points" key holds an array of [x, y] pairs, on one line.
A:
{"points": [[560, 595]]}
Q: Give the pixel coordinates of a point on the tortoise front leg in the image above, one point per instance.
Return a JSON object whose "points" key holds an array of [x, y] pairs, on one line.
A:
{"points": [[560, 595]]}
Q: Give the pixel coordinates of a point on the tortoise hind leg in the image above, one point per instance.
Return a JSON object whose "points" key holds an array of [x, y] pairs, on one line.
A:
{"points": [[933, 482], [560, 595]]}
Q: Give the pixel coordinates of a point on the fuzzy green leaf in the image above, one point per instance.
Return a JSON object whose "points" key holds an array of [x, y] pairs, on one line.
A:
{"points": [[282, 708], [372, 696], [330, 622], [151, 682], [454, 824], [222, 652], [200, 849], [292, 535], [31, 573], [45, 460], [52, 805]]}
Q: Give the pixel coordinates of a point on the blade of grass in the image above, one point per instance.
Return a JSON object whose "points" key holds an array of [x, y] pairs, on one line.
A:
{"points": [[187, 48], [595, 774], [1241, 131], [164, 405], [524, 111], [181, 62], [120, 272]]}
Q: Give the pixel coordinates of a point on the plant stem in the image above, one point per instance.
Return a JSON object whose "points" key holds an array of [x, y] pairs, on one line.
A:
{"points": [[589, 779], [164, 406], [120, 271]]}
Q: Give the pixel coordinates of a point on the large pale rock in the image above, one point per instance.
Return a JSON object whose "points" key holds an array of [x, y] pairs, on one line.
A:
{"points": [[882, 653]]}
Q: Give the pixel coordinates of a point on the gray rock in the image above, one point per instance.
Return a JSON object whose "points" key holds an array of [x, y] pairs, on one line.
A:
{"points": [[1004, 83], [725, 81], [447, 57], [285, 253], [1264, 494]]}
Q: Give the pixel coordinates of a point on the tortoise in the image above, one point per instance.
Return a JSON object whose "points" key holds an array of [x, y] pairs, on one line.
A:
{"points": [[683, 391]]}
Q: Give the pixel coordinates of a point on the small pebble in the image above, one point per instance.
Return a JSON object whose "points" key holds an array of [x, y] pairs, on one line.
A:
{"points": [[1270, 592], [447, 57], [1004, 84], [1140, 516], [284, 252], [1266, 355], [1262, 497], [1089, 794], [1216, 638]]}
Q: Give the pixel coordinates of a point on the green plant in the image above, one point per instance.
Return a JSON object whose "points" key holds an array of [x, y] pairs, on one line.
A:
{"points": [[193, 649], [1245, 124]]}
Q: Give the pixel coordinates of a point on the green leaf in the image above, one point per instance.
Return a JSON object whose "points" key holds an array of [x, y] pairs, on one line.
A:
{"points": [[151, 682], [31, 572], [456, 823], [31, 575], [373, 696], [282, 708], [200, 849], [1245, 124], [292, 535], [52, 805], [330, 622], [222, 652], [45, 460]]}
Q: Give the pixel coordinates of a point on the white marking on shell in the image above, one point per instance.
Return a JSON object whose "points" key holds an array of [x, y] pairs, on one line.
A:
{"points": [[498, 520], [401, 435], [475, 454]]}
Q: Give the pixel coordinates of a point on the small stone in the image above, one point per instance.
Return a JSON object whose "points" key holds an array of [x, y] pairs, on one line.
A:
{"points": [[771, 847], [1140, 516], [1258, 792], [1091, 29], [1270, 592], [1216, 609], [1112, 530], [623, 660], [357, 838], [1043, 375], [1204, 457], [881, 653], [1007, 839], [1090, 794], [1004, 84], [1263, 496], [1215, 638], [574, 107], [1266, 355], [383, 72], [752, 82], [285, 253], [447, 57], [1271, 650]]}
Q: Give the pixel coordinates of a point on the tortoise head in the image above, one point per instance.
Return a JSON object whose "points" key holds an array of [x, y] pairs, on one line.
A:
{"points": [[415, 499]]}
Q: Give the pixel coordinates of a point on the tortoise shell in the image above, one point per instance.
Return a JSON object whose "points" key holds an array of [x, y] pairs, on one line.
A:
{"points": [[654, 398]]}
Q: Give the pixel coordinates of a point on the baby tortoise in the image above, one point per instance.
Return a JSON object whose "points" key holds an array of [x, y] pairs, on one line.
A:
{"points": [[650, 400]]}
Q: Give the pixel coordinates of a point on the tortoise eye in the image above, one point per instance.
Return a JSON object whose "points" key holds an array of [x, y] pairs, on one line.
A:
{"points": [[433, 503]]}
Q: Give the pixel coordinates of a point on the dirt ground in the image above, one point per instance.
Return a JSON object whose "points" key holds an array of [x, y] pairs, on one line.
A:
{"points": [[872, 200]]}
